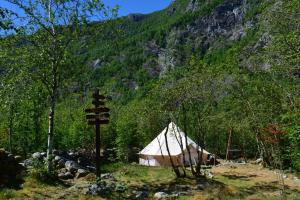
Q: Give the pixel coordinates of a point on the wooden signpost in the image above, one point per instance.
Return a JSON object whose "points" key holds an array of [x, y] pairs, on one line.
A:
{"points": [[97, 116]]}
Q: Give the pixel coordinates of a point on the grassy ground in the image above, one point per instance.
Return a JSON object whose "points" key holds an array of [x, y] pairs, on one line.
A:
{"points": [[250, 182]]}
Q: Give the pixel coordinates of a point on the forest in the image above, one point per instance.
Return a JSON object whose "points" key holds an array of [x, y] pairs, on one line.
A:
{"points": [[219, 69]]}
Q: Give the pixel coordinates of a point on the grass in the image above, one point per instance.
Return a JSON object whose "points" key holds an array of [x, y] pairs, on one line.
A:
{"points": [[247, 182], [32, 189]]}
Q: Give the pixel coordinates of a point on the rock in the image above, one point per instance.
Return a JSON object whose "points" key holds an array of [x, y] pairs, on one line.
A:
{"points": [[175, 194], [11, 172], [43, 154], [18, 158], [99, 189], [63, 170], [161, 195], [37, 155], [108, 176], [258, 161], [61, 163], [135, 17], [141, 195], [91, 168], [83, 161], [55, 152], [182, 187], [65, 176], [201, 187], [57, 158], [171, 11], [28, 162], [210, 175], [121, 188], [81, 173], [71, 166]]}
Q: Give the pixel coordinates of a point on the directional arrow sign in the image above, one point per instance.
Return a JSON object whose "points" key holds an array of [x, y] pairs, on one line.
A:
{"points": [[98, 103], [102, 121], [98, 96], [95, 116], [97, 110]]}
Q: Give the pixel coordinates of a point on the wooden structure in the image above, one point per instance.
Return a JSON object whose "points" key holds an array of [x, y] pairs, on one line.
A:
{"points": [[97, 116], [233, 151]]}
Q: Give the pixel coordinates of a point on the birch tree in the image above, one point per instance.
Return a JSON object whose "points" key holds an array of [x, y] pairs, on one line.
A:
{"points": [[48, 29]]}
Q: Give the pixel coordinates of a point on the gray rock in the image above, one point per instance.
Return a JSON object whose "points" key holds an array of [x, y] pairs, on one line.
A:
{"points": [[37, 155], [108, 176], [175, 194], [141, 195], [57, 158], [161, 195], [28, 162], [83, 161], [91, 168], [61, 163], [135, 17], [65, 176], [81, 173], [71, 166], [43, 154], [18, 158], [258, 161], [62, 170], [201, 187], [121, 188], [297, 180], [99, 189]]}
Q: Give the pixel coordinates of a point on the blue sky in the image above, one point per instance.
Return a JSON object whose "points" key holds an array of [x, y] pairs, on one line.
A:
{"points": [[130, 6], [138, 6]]}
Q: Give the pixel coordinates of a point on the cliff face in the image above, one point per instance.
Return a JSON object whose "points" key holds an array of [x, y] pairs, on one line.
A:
{"points": [[226, 21]]}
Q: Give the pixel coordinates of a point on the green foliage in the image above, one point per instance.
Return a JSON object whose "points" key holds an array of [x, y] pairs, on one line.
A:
{"points": [[40, 172], [227, 87]]}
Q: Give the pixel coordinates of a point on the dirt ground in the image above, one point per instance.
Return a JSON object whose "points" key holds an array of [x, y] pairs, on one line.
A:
{"points": [[229, 181], [252, 181]]}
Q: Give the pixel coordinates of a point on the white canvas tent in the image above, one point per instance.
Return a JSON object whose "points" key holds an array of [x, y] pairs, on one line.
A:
{"points": [[156, 154]]}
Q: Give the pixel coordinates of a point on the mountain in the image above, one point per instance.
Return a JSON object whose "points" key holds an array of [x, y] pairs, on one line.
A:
{"points": [[212, 66]]}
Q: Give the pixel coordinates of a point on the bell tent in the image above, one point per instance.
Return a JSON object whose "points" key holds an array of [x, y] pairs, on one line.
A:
{"points": [[156, 153]]}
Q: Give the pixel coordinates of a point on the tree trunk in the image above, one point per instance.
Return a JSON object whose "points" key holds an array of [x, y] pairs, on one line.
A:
{"points": [[51, 132], [186, 142], [10, 128], [175, 169]]}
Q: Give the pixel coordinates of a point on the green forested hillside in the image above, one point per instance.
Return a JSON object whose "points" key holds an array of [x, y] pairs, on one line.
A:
{"points": [[211, 66]]}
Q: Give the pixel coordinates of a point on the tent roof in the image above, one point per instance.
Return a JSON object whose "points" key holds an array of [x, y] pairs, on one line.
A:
{"points": [[175, 137]]}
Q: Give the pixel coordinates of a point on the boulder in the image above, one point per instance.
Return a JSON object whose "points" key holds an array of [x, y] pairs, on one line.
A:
{"points": [[108, 176], [18, 158], [135, 17], [71, 166], [28, 162], [161, 195], [65, 176], [11, 171], [43, 154], [141, 195], [121, 188], [62, 170], [37, 155], [81, 173], [91, 168], [83, 161], [57, 158], [99, 189], [61, 163], [259, 161]]}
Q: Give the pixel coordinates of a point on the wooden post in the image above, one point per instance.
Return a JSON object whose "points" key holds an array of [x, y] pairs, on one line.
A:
{"points": [[228, 144], [99, 116]]}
